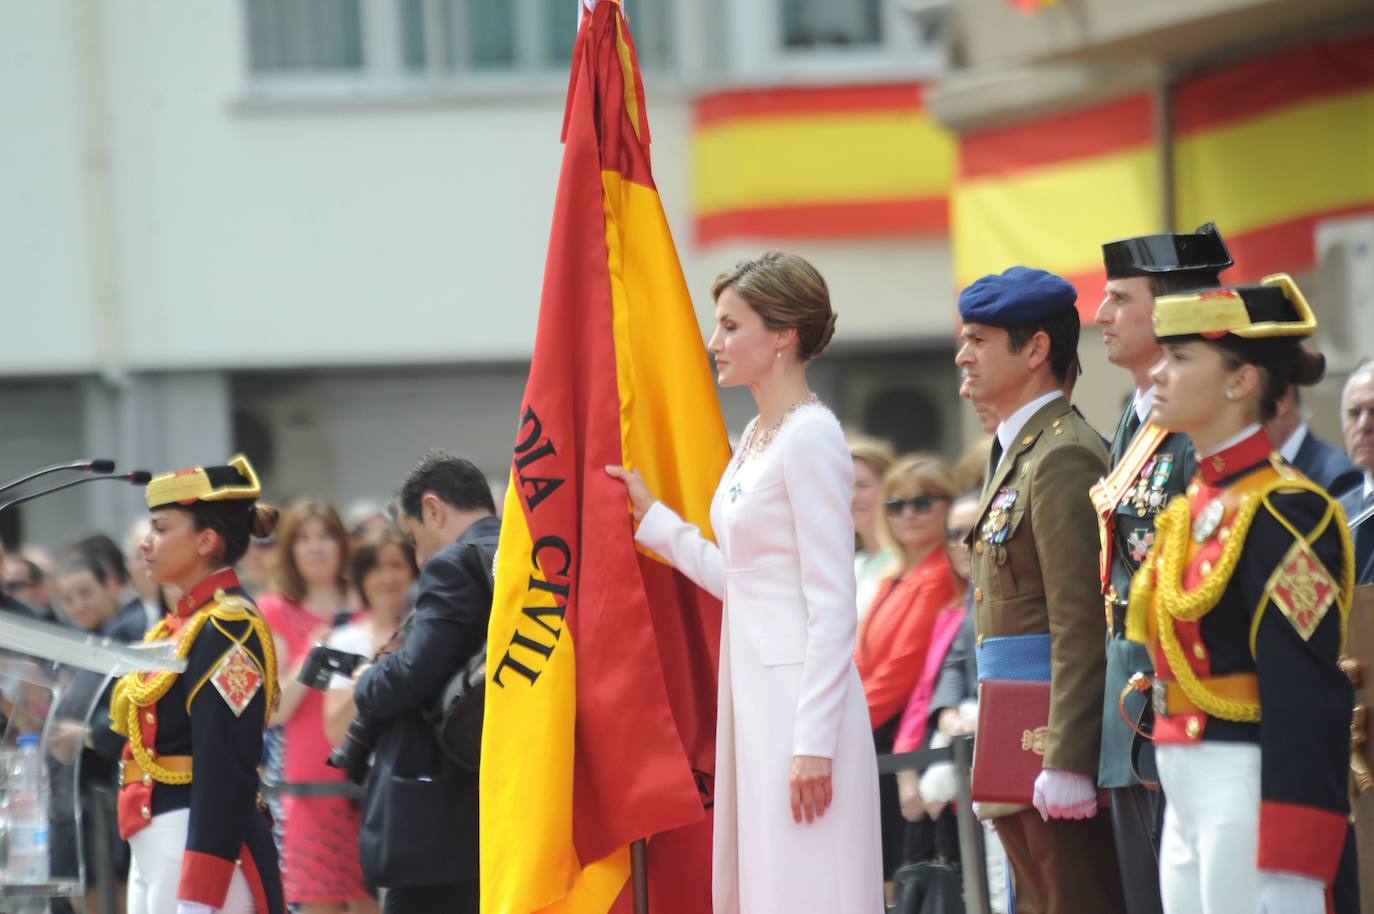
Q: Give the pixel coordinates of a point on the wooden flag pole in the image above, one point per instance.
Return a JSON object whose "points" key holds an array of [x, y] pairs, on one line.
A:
{"points": [[639, 876]]}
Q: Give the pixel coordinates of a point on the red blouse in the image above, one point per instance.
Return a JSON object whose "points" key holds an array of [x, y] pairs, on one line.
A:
{"points": [[895, 633]]}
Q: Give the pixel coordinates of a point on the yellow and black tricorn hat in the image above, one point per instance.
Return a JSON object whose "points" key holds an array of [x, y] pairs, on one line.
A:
{"points": [[236, 481], [1273, 309]]}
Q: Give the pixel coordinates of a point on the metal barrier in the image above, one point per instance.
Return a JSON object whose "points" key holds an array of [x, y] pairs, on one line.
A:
{"points": [[973, 861]]}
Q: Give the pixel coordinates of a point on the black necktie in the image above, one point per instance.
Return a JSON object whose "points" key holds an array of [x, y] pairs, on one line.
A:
{"points": [[1126, 434], [995, 457]]}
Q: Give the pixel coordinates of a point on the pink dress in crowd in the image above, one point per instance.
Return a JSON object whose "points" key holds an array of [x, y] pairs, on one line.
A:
{"points": [[319, 834], [911, 732]]}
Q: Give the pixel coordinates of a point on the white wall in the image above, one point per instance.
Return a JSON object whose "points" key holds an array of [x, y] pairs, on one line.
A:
{"points": [[234, 232], [45, 305]]}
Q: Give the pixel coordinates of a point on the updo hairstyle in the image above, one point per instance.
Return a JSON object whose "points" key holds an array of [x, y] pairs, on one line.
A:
{"points": [[788, 293]]}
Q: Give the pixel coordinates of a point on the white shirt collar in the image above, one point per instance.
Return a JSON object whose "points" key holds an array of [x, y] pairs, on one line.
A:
{"points": [[1144, 402], [1289, 450], [1008, 430], [1234, 440], [1368, 484]]}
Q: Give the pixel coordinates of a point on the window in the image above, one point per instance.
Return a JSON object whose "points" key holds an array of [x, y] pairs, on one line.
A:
{"points": [[832, 39], [405, 42], [287, 36], [825, 23]]}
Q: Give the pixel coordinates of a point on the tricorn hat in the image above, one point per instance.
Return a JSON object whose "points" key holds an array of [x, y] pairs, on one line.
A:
{"points": [[1274, 308], [1148, 255], [235, 481]]}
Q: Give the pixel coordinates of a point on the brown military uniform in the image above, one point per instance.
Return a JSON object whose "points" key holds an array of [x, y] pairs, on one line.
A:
{"points": [[1035, 571]]}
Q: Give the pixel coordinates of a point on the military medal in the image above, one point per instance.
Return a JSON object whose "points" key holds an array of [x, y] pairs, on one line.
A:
{"points": [[1206, 523], [995, 528], [1140, 541]]}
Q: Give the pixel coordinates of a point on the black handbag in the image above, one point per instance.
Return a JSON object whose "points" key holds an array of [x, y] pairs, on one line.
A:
{"points": [[928, 887], [458, 709]]}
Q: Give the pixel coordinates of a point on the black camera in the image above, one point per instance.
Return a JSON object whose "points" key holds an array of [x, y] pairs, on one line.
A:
{"points": [[324, 662], [354, 756], [320, 666]]}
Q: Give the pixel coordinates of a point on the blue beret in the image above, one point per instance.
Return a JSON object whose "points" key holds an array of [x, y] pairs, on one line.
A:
{"points": [[1015, 298]]}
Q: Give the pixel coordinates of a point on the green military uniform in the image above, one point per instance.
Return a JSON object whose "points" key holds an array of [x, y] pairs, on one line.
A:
{"points": [[1149, 466], [1155, 477]]}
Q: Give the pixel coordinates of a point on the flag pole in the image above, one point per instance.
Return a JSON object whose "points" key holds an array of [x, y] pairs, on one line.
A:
{"points": [[639, 875]]}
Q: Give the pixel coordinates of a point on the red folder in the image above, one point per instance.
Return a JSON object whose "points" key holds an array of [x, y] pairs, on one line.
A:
{"points": [[1009, 749]]}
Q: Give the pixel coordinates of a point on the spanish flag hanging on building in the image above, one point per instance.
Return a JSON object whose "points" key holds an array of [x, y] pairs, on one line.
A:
{"points": [[601, 662]]}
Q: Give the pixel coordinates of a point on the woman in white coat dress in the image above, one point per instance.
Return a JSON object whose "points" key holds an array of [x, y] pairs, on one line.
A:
{"points": [[796, 792]]}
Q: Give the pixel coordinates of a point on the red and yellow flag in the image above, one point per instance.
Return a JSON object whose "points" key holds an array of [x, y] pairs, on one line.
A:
{"points": [[601, 663], [1270, 147], [1050, 192], [819, 162]]}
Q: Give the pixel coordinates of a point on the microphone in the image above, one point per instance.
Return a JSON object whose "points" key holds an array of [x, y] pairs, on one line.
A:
{"points": [[98, 465], [134, 477]]}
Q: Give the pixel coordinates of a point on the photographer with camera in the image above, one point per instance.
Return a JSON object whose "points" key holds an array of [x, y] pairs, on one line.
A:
{"points": [[419, 834]]}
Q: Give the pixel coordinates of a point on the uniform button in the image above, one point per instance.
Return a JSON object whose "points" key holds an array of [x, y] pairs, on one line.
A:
{"points": [[147, 780], [149, 717], [146, 813], [978, 547], [1192, 490], [1199, 651], [1192, 729], [1223, 534], [1027, 440], [1206, 568], [978, 595], [979, 639]]}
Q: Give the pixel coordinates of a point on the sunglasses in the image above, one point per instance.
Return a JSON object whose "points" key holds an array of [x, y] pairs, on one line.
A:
{"points": [[920, 504], [954, 536]]}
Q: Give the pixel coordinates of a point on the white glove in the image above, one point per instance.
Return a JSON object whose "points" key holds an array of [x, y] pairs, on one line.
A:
{"points": [[938, 788], [193, 907], [1064, 795], [1284, 893]]}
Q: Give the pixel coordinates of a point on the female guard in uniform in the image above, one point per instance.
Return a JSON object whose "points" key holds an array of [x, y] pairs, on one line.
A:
{"points": [[1242, 602], [188, 800]]}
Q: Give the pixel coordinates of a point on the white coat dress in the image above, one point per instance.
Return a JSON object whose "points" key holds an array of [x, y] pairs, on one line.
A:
{"points": [[784, 569]]}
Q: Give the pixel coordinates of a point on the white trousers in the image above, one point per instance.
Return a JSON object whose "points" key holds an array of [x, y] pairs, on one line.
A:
{"points": [[1208, 854], [156, 869]]}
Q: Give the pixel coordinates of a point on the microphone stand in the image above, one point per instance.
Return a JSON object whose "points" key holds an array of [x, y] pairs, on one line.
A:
{"points": [[95, 465], [134, 477]]}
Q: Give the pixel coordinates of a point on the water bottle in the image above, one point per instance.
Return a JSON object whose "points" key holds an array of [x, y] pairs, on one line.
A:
{"points": [[27, 793]]}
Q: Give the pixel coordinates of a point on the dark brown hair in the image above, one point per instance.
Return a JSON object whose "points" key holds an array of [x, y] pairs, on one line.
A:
{"points": [[788, 293], [235, 520], [368, 553], [286, 577], [1282, 362]]}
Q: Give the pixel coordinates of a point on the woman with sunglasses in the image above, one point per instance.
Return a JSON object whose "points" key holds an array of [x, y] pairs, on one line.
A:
{"points": [[1242, 602], [895, 634]]}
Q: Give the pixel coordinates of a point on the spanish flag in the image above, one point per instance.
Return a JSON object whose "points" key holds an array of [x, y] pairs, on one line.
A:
{"points": [[819, 162], [601, 660]]}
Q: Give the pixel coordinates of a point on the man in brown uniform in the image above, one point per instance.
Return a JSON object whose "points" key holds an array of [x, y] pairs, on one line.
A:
{"points": [[1037, 604]]}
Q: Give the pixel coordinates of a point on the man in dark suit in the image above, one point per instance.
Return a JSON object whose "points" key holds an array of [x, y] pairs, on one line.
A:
{"points": [[1357, 425], [1318, 461], [419, 836]]}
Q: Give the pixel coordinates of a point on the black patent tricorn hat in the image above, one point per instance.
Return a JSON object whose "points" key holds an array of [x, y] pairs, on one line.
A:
{"points": [[1149, 255]]}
